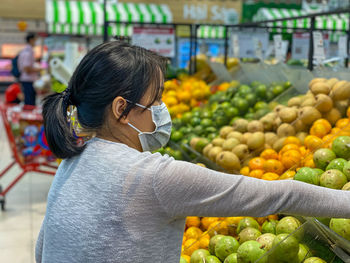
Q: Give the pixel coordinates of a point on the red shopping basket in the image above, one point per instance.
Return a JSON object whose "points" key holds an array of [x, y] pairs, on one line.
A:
{"points": [[26, 137]]}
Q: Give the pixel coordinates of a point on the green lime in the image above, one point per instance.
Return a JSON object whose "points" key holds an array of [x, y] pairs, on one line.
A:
{"points": [[201, 144], [242, 106], [177, 123], [270, 96], [251, 99], [198, 130], [255, 84], [249, 116], [177, 155], [214, 106], [212, 136], [277, 90], [261, 113], [176, 136], [287, 84], [244, 90], [210, 129], [225, 105], [187, 117], [185, 130], [231, 112], [195, 121], [221, 121], [260, 105], [206, 114], [261, 91], [206, 122]]}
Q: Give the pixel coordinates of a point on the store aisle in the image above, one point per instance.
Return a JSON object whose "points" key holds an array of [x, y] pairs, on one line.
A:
{"points": [[26, 204]]}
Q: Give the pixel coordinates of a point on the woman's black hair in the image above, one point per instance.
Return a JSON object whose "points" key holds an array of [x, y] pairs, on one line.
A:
{"points": [[109, 70]]}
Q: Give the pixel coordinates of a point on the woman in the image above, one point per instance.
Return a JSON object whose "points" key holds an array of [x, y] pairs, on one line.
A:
{"points": [[114, 201]]}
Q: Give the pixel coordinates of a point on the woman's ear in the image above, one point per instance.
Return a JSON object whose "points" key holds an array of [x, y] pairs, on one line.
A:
{"points": [[118, 106]]}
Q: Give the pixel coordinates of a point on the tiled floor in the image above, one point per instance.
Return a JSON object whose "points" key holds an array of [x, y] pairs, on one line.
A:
{"points": [[25, 209]]}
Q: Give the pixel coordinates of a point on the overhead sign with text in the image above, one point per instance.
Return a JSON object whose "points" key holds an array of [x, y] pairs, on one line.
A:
{"points": [[159, 40]]}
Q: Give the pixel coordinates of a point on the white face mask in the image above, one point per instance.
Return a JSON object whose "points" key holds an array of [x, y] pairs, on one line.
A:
{"points": [[151, 141]]}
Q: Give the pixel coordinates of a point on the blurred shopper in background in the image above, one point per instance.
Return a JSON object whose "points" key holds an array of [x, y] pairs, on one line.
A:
{"points": [[29, 73]]}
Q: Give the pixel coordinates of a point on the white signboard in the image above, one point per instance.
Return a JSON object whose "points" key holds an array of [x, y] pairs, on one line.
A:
{"points": [[300, 46], [319, 50], [343, 46], [235, 45], [253, 44], [277, 39], [159, 40]]}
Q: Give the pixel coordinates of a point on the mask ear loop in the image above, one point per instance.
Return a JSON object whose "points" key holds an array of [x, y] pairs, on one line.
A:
{"points": [[132, 126]]}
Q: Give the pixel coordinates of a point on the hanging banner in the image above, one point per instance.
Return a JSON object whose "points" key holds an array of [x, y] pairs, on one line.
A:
{"points": [[159, 40], [343, 46]]}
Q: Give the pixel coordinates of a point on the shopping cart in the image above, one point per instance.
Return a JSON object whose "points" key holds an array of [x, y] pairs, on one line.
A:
{"points": [[29, 149]]}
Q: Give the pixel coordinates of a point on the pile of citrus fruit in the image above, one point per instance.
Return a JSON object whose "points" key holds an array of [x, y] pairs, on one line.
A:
{"points": [[248, 239], [296, 152], [182, 96]]}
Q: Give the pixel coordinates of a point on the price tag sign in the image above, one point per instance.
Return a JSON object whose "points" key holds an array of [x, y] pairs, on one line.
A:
{"points": [[235, 45], [258, 48], [277, 39], [319, 52], [343, 46], [300, 46]]}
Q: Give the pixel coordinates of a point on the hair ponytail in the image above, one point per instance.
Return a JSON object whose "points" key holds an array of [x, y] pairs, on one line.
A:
{"points": [[58, 133]]}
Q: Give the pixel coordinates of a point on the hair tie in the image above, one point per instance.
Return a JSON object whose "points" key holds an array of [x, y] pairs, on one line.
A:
{"points": [[67, 96]]}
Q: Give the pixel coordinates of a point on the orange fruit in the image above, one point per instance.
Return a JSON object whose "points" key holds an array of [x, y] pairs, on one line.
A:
{"points": [[269, 154], [292, 140], [325, 123], [348, 113], [204, 241], [303, 151], [291, 158], [233, 220], [335, 130], [245, 171], [328, 140], [289, 147], [319, 130], [270, 176], [258, 173], [184, 239], [193, 221], [216, 228], [193, 232], [207, 221], [342, 123], [274, 166], [287, 175], [256, 163], [312, 142], [184, 96], [309, 161], [190, 246]]}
